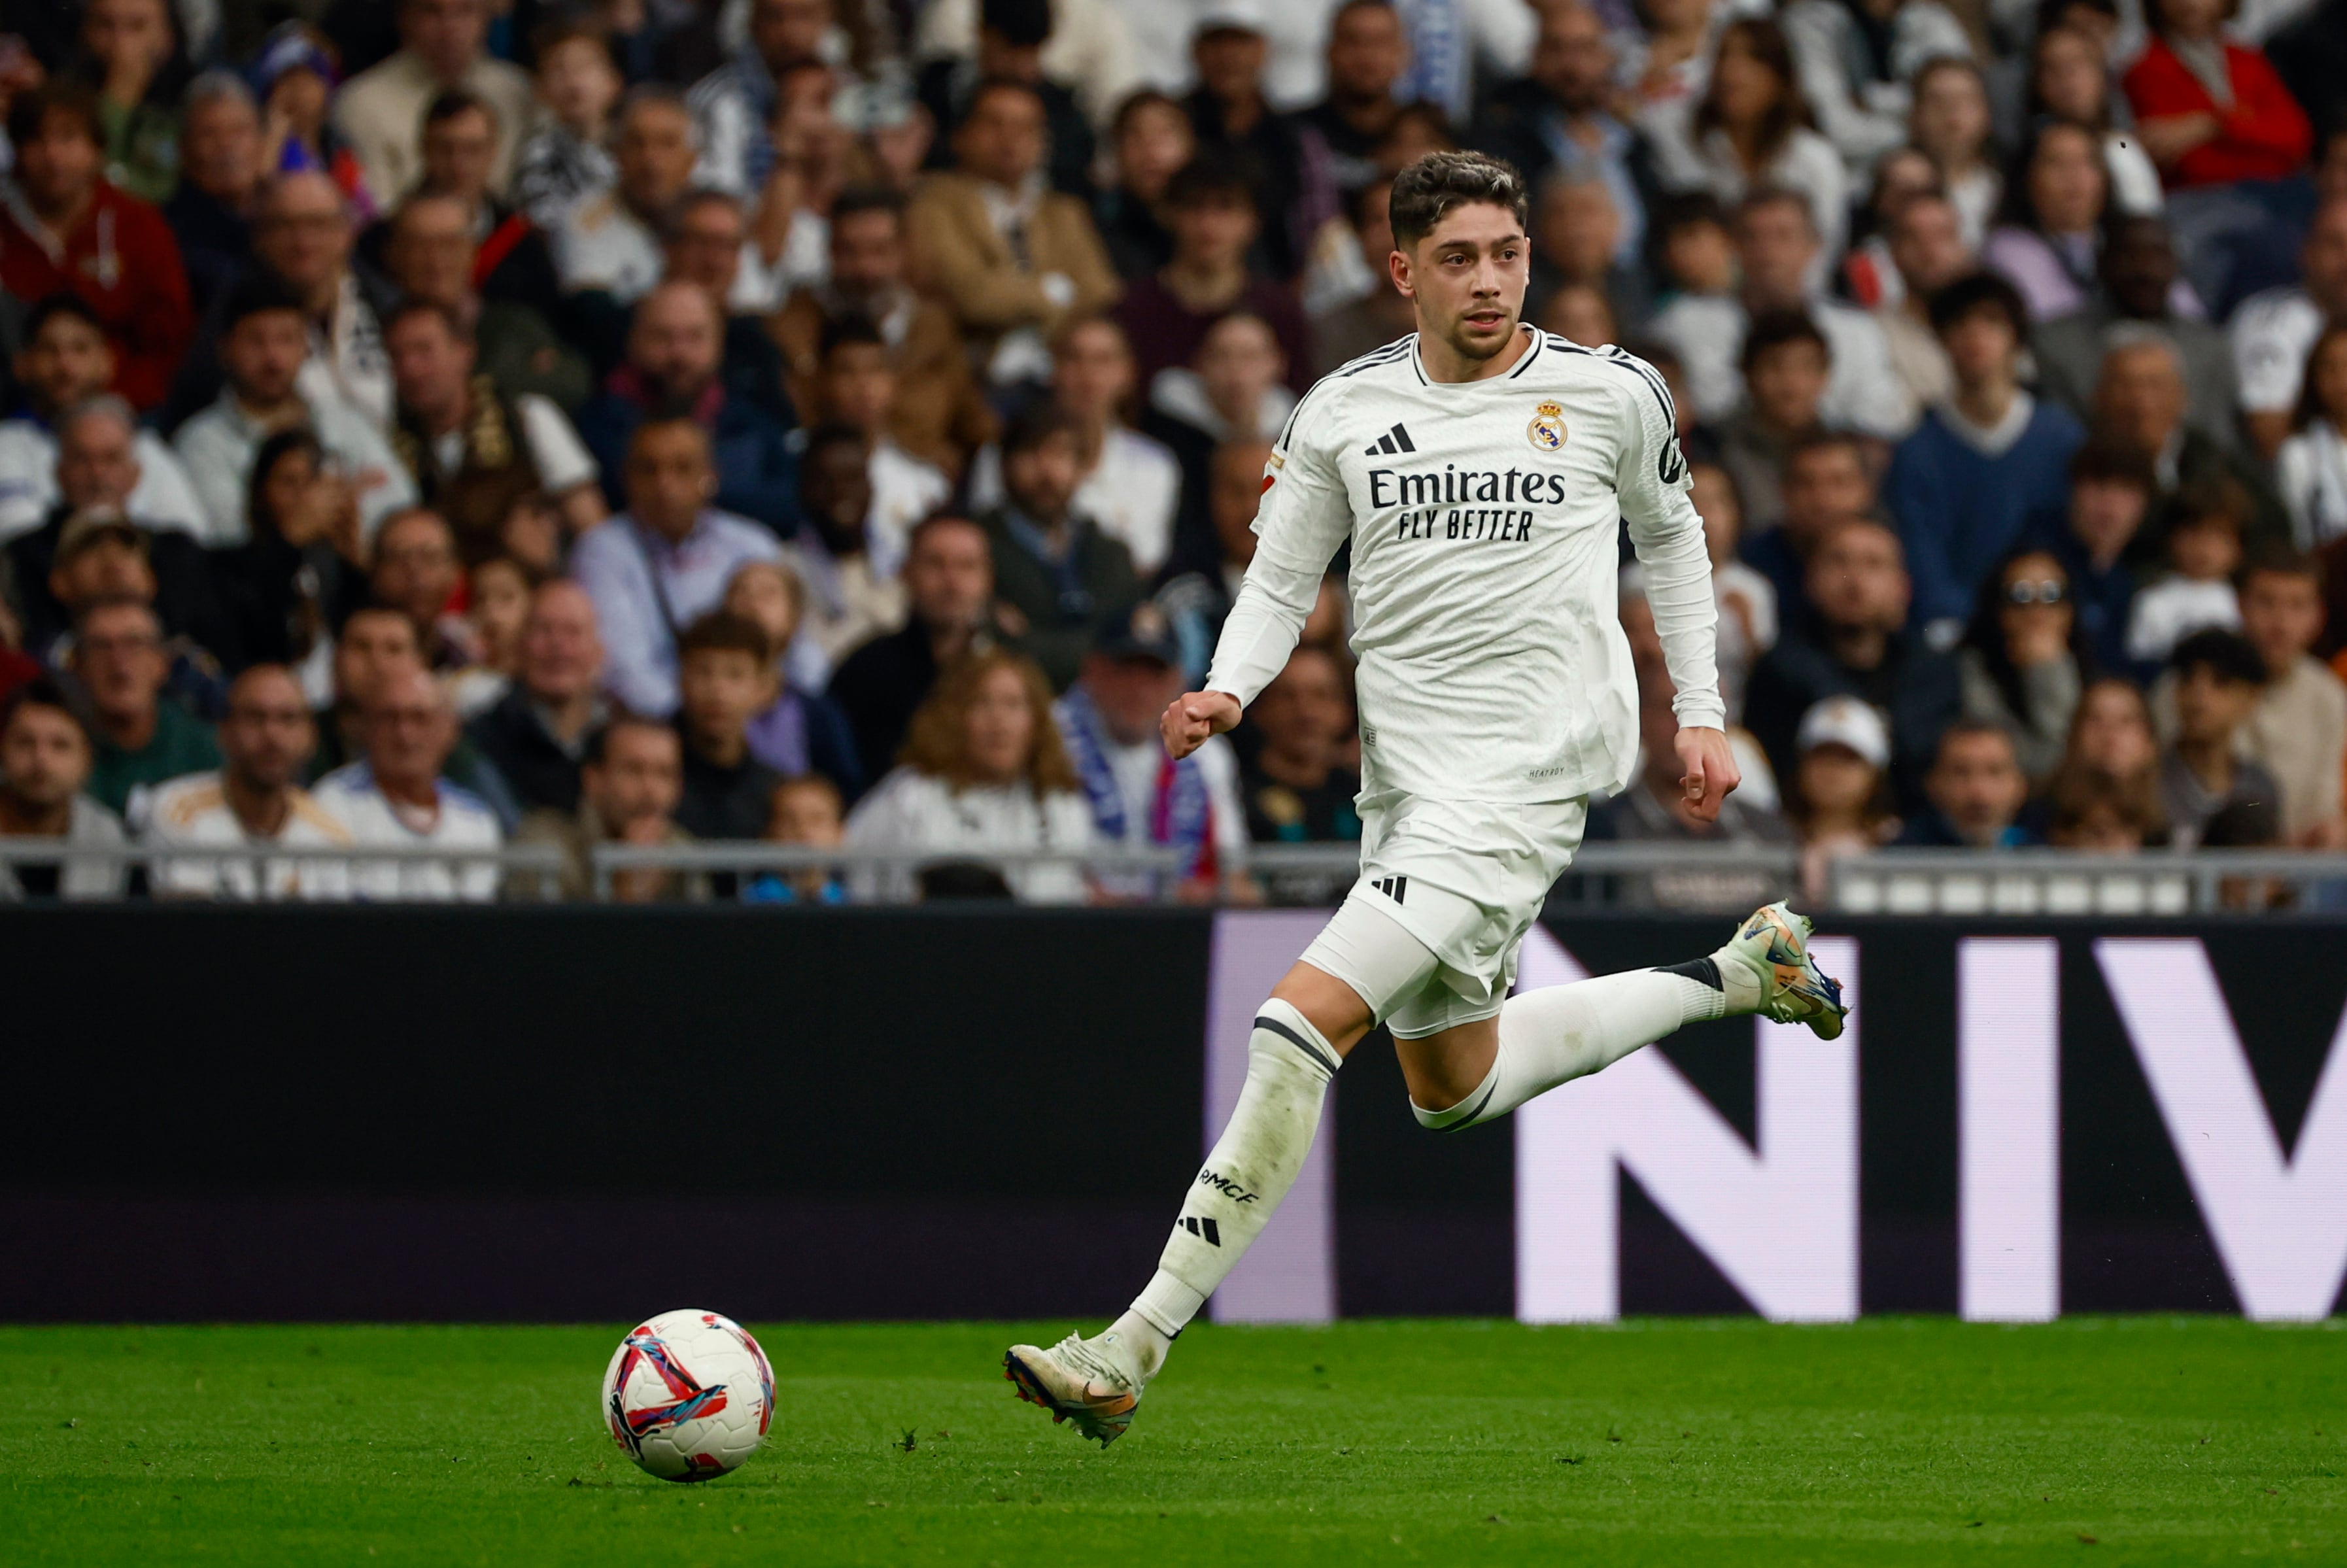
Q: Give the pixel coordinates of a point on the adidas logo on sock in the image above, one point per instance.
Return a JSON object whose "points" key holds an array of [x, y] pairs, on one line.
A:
{"points": [[1394, 440], [1206, 1228], [1393, 887]]}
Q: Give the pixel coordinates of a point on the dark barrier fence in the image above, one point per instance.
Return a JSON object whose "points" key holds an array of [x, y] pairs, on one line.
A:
{"points": [[590, 1113]]}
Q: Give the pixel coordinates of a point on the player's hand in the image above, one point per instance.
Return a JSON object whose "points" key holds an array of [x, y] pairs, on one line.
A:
{"points": [[1193, 716], [1708, 772]]}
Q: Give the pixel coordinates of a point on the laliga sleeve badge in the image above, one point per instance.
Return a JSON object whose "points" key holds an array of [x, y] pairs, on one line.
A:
{"points": [[1546, 432]]}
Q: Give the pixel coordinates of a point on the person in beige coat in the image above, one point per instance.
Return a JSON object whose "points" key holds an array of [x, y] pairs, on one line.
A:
{"points": [[1011, 259]]}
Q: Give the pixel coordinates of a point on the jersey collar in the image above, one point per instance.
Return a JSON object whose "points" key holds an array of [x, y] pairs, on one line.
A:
{"points": [[1540, 342]]}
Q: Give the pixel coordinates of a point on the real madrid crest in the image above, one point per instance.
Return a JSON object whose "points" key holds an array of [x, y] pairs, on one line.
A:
{"points": [[1546, 432]]}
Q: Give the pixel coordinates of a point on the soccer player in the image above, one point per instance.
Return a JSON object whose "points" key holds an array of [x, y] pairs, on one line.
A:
{"points": [[1480, 469]]}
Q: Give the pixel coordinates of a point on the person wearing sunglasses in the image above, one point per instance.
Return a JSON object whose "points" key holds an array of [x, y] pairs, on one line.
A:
{"points": [[2023, 662]]}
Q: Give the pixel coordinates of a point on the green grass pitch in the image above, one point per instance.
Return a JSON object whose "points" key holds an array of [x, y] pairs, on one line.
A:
{"points": [[1655, 1441]]}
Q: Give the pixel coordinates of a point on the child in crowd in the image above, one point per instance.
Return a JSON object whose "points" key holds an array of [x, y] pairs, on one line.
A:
{"points": [[1697, 254], [1748, 603], [795, 733], [501, 589], [725, 679], [1840, 798], [2204, 549], [2098, 812], [1787, 363], [2218, 680], [806, 811], [567, 159]]}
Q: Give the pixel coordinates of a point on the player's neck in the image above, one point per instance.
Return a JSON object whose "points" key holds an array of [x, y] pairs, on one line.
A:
{"points": [[1446, 363]]}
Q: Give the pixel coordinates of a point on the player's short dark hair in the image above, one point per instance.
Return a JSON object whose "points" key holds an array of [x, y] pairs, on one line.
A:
{"points": [[2106, 462], [1441, 183], [1975, 292], [722, 631], [58, 95], [1034, 425], [258, 295], [1021, 23], [846, 329], [2228, 655], [61, 303], [1773, 329], [450, 102], [1208, 182]]}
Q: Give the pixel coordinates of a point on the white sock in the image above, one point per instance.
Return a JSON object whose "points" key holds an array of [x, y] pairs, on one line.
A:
{"points": [[1252, 1164], [1559, 1033]]}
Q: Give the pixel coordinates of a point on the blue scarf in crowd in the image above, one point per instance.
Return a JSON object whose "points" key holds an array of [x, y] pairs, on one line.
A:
{"points": [[1181, 816]]}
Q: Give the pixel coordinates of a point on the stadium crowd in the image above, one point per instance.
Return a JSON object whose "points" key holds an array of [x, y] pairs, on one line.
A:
{"points": [[458, 423]]}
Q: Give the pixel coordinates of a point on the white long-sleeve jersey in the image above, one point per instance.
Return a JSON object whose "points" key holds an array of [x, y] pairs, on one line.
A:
{"points": [[1483, 517]]}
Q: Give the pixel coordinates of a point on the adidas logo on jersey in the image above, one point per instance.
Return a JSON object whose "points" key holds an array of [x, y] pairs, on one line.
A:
{"points": [[1394, 440], [1394, 888]]}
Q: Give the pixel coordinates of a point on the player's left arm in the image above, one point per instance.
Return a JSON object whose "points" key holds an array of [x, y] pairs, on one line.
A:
{"points": [[1652, 483]]}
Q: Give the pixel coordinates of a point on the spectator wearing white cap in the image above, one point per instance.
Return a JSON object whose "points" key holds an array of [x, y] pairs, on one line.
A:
{"points": [[1839, 802]]}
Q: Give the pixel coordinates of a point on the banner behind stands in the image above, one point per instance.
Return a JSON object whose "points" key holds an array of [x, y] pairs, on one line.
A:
{"points": [[584, 1114]]}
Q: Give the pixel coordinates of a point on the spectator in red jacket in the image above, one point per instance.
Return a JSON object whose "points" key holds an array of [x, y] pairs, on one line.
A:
{"points": [[2231, 143], [64, 229]]}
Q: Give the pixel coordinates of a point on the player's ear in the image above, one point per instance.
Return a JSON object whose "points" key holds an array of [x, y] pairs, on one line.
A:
{"points": [[1397, 264]]}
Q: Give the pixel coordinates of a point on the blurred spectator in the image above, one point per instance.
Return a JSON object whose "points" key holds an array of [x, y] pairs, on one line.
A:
{"points": [[1752, 132], [1748, 603], [67, 364], [663, 562], [984, 771], [675, 348], [1987, 465], [850, 598], [854, 386], [950, 596], [254, 802], [2218, 681], [814, 156], [1052, 565], [1368, 51], [1233, 395], [1263, 150], [1859, 63], [2229, 140], [1379, 313], [220, 173], [2195, 592], [304, 235], [798, 732], [376, 642], [429, 253], [629, 784], [706, 241], [64, 229], [296, 76], [2023, 660], [1826, 484], [1091, 49], [1949, 124], [1011, 35], [442, 50], [1576, 234], [496, 609], [938, 415], [1840, 800], [1198, 601], [1580, 313], [132, 56], [2310, 469], [1011, 259], [1559, 120], [141, 738], [734, 106], [1786, 364], [2140, 403], [1298, 787], [417, 573], [2274, 335], [2299, 730], [1866, 270], [2111, 489], [806, 812], [1168, 315], [1652, 809], [1149, 141], [2050, 243], [89, 549], [724, 680], [474, 454], [397, 797], [1976, 790], [44, 761], [537, 735], [2094, 813], [1854, 642], [2070, 82], [1139, 798], [1131, 484], [1665, 68], [513, 263], [1778, 246], [567, 159], [1928, 253], [302, 561], [263, 343], [609, 243], [2137, 302]]}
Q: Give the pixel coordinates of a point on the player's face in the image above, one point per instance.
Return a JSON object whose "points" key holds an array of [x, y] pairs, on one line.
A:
{"points": [[1467, 279]]}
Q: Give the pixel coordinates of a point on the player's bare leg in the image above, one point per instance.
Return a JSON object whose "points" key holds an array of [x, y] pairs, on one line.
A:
{"points": [[1458, 1077]]}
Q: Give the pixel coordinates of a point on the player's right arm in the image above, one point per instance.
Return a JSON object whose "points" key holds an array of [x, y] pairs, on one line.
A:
{"points": [[1302, 518]]}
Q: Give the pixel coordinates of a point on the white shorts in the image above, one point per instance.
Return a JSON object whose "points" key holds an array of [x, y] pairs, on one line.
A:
{"points": [[1466, 879]]}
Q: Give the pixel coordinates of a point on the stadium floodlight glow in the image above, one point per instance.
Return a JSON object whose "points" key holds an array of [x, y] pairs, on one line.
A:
{"points": [[2279, 1220], [2009, 1158], [1781, 1221]]}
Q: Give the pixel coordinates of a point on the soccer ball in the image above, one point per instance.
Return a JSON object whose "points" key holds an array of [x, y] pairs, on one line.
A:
{"points": [[687, 1395]]}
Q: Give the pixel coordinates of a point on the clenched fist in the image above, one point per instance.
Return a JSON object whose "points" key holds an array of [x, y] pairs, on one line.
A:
{"points": [[1193, 716]]}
